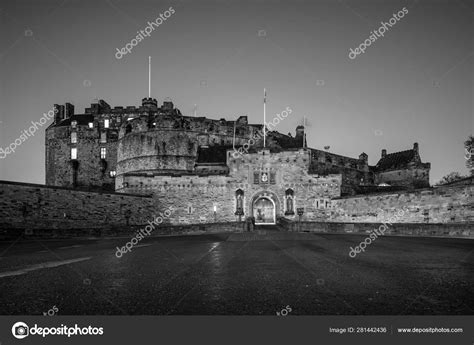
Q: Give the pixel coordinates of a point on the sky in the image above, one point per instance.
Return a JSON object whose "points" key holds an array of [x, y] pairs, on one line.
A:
{"points": [[414, 84]]}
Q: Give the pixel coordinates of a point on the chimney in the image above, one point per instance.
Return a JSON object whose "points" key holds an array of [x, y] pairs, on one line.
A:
{"points": [[363, 157], [300, 135], [167, 105], [384, 153], [299, 131], [57, 114], [69, 110], [415, 147]]}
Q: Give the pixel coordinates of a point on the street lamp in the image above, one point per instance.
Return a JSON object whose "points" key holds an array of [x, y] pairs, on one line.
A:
{"points": [[300, 212]]}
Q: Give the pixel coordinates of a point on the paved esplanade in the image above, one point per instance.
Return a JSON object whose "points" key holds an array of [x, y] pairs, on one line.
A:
{"points": [[248, 273]]}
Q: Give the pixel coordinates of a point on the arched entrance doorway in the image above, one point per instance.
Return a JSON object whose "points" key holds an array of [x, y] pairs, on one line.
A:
{"points": [[264, 210]]}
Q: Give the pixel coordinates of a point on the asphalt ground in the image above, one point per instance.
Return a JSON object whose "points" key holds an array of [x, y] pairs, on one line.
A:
{"points": [[238, 274]]}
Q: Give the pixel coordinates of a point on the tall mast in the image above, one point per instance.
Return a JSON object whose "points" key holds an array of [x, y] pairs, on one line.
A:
{"points": [[264, 123], [149, 76]]}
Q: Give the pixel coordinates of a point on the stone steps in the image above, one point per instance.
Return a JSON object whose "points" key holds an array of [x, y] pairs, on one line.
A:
{"points": [[271, 235]]}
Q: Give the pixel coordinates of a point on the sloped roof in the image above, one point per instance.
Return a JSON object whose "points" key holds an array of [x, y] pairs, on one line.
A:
{"points": [[396, 160], [213, 154], [81, 120]]}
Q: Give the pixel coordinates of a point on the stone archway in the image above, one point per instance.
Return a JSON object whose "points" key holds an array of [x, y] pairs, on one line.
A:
{"points": [[264, 207]]}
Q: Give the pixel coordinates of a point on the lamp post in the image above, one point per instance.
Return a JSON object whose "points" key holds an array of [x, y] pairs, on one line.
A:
{"points": [[300, 212], [239, 213]]}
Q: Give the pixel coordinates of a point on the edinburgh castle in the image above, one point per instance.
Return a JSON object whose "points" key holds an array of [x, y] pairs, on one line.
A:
{"points": [[193, 164]]}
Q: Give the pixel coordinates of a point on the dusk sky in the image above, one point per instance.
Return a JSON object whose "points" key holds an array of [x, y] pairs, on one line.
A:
{"points": [[415, 84]]}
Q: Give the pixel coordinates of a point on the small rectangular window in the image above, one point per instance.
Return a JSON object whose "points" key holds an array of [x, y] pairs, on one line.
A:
{"points": [[74, 153], [106, 123], [103, 137], [91, 124], [73, 137], [73, 124], [256, 177], [103, 153]]}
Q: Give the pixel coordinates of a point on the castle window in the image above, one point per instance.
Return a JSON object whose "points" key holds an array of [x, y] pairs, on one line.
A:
{"points": [[112, 173], [73, 124], [91, 124], [103, 137], [190, 209], [106, 123], [103, 153], [74, 153], [128, 129], [73, 137], [256, 177], [272, 177]]}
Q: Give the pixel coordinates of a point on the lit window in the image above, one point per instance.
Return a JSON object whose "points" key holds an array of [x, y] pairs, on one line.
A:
{"points": [[103, 137], [106, 123], [73, 137], [103, 153], [73, 124], [91, 124], [74, 153], [112, 173]]}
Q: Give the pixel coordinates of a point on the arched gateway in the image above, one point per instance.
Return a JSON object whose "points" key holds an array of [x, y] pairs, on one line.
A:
{"points": [[264, 208]]}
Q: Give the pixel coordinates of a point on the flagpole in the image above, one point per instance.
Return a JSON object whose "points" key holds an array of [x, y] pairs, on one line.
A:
{"points": [[233, 139], [149, 76], [304, 131], [264, 104]]}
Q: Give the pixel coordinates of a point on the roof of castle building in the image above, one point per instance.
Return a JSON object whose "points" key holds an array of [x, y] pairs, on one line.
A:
{"points": [[213, 154], [285, 141], [80, 119], [396, 160]]}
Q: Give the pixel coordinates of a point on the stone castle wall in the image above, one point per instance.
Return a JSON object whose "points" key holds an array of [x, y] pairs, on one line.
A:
{"points": [[450, 204], [196, 197], [91, 171], [37, 207], [162, 150], [32, 206], [412, 177]]}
